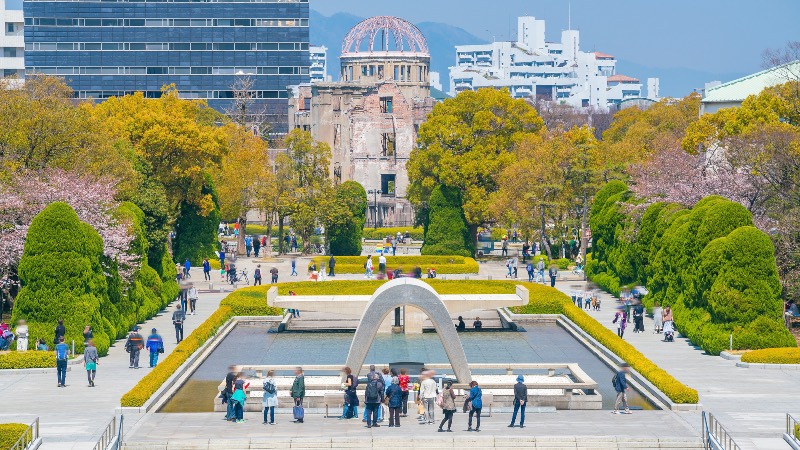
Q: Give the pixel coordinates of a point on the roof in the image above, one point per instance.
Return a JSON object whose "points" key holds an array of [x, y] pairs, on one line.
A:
{"points": [[619, 78], [439, 95], [601, 55], [739, 89]]}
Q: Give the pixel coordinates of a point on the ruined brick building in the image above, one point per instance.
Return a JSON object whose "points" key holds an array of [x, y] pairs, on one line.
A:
{"points": [[370, 117]]}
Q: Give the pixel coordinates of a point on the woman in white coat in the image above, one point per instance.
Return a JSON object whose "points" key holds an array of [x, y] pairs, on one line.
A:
{"points": [[22, 336], [270, 400]]}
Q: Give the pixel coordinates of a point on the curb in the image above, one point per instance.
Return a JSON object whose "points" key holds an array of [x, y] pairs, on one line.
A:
{"points": [[730, 356], [795, 367]]}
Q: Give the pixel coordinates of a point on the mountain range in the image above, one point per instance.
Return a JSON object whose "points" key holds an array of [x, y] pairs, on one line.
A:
{"points": [[442, 39]]}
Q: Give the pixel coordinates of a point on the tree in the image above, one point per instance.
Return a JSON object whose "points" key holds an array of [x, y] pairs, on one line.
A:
{"points": [[465, 144], [62, 278], [446, 232], [244, 177], [346, 224], [196, 229]]}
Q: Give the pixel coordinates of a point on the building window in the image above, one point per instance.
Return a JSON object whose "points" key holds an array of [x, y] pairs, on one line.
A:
{"points": [[386, 104], [306, 103], [387, 145], [388, 184]]}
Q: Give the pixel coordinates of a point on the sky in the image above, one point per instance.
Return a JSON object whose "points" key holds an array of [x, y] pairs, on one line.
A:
{"points": [[718, 36]]}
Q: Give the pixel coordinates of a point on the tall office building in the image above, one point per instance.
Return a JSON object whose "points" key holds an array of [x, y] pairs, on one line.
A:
{"points": [[319, 63], [12, 45], [107, 48]]}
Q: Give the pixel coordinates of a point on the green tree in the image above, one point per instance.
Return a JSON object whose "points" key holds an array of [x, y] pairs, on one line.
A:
{"points": [[196, 233], [466, 142], [62, 278], [446, 232], [346, 229]]}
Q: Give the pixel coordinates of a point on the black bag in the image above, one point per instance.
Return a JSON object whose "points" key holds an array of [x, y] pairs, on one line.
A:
{"points": [[161, 350], [269, 388], [614, 381], [372, 393]]}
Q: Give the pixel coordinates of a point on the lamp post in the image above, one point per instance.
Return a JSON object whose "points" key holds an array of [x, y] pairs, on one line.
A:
{"points": [[375, 193]]}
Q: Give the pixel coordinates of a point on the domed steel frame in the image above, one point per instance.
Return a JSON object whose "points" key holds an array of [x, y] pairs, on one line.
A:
{"points": [[407, 37]]}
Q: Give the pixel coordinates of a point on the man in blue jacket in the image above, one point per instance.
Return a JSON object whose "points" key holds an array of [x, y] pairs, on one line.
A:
{"points": [[155, 345], [620, 382]]}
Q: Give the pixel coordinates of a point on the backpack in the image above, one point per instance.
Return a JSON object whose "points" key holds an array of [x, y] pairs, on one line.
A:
{"points": [[614, 381], [440, 400], [529, 267], [269, 388], [372, 394]]}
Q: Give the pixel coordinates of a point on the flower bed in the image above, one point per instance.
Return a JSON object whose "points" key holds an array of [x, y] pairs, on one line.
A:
{"points": [[443, 264], [27, 360], [10, 434], [773, 356]]}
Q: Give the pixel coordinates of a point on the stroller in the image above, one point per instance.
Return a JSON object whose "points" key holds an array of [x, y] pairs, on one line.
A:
{"points": [[669, 331]]}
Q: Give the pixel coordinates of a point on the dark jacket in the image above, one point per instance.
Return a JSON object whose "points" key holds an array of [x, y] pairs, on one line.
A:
{"points": [[60, 332], [395, 395], [178, 317], [134, 342], [520, 392], [379, 386], [332, 262], [229, 379], [298, 387], [622, 382]]}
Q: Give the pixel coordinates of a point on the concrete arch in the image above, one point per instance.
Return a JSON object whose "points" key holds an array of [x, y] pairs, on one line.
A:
{"points": [[413, 292]]}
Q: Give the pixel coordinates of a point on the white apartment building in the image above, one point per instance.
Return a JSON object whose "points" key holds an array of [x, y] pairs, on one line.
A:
{"points": [[532, 67], [319, 63], [12, 42]]}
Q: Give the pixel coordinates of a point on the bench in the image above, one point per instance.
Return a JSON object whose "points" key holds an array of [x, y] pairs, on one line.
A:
{"points": [[336, 400]]}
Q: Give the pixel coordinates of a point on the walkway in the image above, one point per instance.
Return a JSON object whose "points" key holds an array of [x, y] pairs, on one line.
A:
{"points": [[750, 403], [74, 417]]}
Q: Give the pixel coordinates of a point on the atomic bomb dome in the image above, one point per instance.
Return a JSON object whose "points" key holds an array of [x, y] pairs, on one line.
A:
{"points": [[385, 34]]}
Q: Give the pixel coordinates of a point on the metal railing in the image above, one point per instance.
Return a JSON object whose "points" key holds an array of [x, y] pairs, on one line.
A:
{"points": [[28, 437], [715, 436], [111, 439], [793, 428]]}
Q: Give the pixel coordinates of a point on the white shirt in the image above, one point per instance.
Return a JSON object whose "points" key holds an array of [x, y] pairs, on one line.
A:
{"points": [[193, 292], [427, 389], [382, 260]]}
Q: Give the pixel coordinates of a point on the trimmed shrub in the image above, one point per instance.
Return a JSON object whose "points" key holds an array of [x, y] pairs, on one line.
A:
{"points": [[447, 232], [10, 433], [773, 356], [62, 278], [196, 231], [443, 264], [31, 359], [417, 234], [345, 238]]}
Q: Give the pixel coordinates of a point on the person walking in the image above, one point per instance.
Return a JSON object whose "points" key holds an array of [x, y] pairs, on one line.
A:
{"points": [[248, 245], [658, 319], [475, 399], [193, 295], [520, 400], [133, 346], [270, 399], [638, 318], [87, 334], [331, 266], [298, 392], [60, 332], [504, 246], [257, 276], [274, 273], [510, 268], [529, 268], [239, 397], [178, 317], [370, 375], [395, 394], [620, 382], [621, 319], [404, 380], [448, 407], [427, 392], [206, 269], [62, 355], [350, 395], [294, 268], [553, 275], [373, 397], [227, 393], [540, 269], [187, 266], [22, 336], [368, 267], [256, 246], [90, 360], [155, 345], [382, 265]]}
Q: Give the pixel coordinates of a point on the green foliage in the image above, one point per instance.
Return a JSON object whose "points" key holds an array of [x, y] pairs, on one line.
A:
{"points": [[417, 234], [27, 360], [446, 232], [709, 263], [10, 433], [62, 278], [773, 356], [444, 265], [196, 230], [345, 236]]}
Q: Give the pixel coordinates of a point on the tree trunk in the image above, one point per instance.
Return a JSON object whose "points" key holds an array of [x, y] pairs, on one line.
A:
{"points": [[584, 240], [545, 242], [240, 248], [280, 234], [268, 221], [473, 237]]}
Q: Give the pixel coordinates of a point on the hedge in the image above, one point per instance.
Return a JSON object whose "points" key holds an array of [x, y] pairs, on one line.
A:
{"points": [[243, 302], [545, 300], [442, 264], [10, 433], [344, 238], [31, 359], [196, 231], [446, 232], [773, 356], [416, 234]]}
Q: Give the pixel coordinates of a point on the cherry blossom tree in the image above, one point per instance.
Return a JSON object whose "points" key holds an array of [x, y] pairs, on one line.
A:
{"points": [[25, 194]]}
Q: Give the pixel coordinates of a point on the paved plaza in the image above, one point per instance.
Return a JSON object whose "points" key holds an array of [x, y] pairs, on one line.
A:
{"points": [[750, 403]]}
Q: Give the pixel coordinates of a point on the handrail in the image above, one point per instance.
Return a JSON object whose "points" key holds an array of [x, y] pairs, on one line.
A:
{"points": [[793, 428], [107, 438], [715, 436], [28, 437]]}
